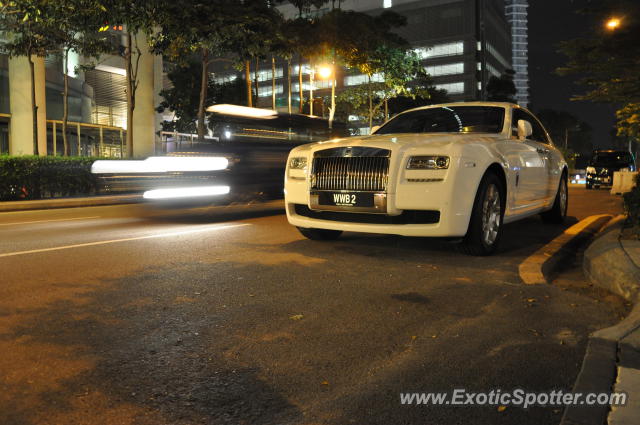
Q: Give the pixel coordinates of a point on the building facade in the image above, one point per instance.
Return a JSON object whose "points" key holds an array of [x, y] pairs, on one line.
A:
{"points": [[516, 12], [97, 123]]}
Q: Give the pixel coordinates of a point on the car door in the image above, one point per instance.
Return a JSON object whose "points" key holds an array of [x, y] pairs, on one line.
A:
{"points": [[535, 162]]}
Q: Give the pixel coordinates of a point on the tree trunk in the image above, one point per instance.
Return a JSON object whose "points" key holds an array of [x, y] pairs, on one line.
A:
{"points": [[310, 88], [273, 83], [256, 81], [247, 77], [300, 91], [370, 102], [289, 85], [34, 107], [332, 109], [386, 109], [65, 104], [204, 82], [131, 100]]}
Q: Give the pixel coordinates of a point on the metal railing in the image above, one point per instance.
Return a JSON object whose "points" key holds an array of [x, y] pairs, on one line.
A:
{"points": [[86, 139], [176, 142]]}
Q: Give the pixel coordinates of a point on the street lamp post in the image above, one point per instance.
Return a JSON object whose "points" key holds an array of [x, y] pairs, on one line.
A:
{"points": [[325, 72]]}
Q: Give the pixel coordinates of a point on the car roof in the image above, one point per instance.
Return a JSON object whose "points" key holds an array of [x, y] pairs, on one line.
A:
{"points": [[474, 103]]}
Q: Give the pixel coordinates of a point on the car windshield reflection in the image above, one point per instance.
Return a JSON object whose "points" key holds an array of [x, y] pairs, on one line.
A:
{"points": [[447, 119]]}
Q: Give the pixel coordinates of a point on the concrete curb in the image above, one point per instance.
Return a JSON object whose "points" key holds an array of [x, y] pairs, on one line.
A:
{"points": [[45, 204], [608, 265], [539, 267]]}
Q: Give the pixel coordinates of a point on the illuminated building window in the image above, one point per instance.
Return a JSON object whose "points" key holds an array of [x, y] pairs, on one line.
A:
{"points": [[452, 88], [440, 50], [445, 69], [355, 80], [264, 91]]}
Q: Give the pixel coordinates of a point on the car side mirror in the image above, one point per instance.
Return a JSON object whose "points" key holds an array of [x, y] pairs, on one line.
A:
{"points": [[524, 129], [374, 129]]}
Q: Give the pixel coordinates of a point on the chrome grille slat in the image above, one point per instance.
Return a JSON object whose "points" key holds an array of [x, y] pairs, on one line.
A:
{"points": [[362, 173]]}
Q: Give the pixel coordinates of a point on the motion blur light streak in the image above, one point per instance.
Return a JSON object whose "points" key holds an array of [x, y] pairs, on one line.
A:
{"points": [[161, 164], [242, 111], [186, 192]]}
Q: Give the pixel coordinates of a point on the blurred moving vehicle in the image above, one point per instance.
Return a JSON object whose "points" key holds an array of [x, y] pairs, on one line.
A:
{"points": [[243, 160], [457, 170], [604, 163]]}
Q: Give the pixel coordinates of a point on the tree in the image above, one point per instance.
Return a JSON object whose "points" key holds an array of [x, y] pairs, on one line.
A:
{"points": [[193, 28], [183, 98], [368, 44], [78, 25], [629, 121], [567, 130], [502, 89], [606, 63], [137, 17], [29, 26]]}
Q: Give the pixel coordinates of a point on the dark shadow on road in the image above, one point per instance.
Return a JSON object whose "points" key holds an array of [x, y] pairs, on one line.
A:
{"points": [[130, 355]]}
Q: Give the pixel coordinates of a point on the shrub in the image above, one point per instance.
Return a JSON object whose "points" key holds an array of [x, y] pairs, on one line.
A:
{"points": [[37, 177], [632, 205]]}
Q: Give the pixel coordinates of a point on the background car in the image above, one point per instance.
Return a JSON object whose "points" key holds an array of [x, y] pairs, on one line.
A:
{"points": [[604, 163]]}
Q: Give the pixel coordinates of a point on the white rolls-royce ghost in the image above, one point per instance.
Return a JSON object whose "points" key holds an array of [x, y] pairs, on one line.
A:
{"points": [[458, 170]]}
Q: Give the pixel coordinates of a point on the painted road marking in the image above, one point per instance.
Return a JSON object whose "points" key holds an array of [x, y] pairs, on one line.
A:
{"points": [[49, 221], [138, 238], [531, 268]]}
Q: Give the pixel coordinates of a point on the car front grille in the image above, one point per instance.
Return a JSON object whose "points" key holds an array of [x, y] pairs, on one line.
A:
{"points": [[356, 169]]}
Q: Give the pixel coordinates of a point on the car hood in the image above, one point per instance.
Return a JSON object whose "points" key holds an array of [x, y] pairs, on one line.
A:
{"points": [[404, 141]]}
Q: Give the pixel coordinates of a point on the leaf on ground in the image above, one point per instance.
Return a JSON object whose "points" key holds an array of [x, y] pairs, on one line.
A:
{"points": [[296, 317]]}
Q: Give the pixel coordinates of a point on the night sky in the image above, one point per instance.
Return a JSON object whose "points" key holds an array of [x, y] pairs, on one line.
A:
{"points": [[552, 21]]}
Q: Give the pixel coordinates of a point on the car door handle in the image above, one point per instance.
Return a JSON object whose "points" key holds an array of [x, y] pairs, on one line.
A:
{"points": [[543, 151]]}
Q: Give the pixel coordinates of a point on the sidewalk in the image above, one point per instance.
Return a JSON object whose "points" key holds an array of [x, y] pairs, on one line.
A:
{"points": [[91, 201], [612, 361]]}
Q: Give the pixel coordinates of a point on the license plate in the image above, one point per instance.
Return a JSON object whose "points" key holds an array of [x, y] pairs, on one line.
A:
{"points": [[346, 199]]}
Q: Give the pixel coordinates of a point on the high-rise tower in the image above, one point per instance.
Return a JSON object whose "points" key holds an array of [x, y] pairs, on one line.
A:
{"points": [[516, 13]]}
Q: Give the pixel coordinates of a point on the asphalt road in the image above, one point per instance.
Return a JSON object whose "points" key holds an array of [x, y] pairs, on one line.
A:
{"points": [[121, 315]]}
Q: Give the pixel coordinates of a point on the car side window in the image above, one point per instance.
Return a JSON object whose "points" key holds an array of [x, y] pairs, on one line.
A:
{"points": [[538, 134]]}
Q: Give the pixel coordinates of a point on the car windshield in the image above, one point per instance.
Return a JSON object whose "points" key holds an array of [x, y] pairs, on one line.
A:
{"points": [[447, 119], [612, 158]]}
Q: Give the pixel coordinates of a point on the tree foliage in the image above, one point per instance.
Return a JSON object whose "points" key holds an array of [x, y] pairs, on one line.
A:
{"points": [[502, 89], [183, 98], [629, 121], [567, 130], [607, 62], [368, 44]]}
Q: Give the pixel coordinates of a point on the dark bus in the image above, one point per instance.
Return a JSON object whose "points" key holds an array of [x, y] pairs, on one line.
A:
{"points": [[254, 142]]}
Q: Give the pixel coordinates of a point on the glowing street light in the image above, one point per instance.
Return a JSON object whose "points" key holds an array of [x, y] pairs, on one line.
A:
{"points": [[325, 71], [613, 24]]}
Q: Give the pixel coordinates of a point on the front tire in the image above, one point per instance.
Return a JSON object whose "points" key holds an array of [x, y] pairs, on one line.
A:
{"points": [[485, 226], [320, 234], [558, 212]]}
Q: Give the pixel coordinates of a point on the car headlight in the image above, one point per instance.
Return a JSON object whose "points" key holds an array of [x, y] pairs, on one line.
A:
{"points": [[591, 170], [428, 163], [298, 163]]}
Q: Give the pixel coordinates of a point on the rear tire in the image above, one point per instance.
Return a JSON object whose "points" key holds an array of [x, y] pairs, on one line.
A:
{"points": [[558, 212], [320, 234], [485, 226]]}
